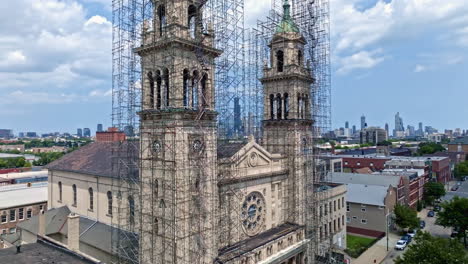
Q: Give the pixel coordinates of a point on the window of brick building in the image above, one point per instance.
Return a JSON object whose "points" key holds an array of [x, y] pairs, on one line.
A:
{"points": [[12, 215]]}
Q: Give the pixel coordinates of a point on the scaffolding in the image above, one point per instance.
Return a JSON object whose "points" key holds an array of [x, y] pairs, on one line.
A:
{"points": [[166, 80]]}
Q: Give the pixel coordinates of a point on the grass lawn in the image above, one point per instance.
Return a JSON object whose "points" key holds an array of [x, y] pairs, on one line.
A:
{"points": [[357, 245]]}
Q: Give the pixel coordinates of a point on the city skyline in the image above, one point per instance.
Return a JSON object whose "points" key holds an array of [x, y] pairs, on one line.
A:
{"points": [[39, 90]]}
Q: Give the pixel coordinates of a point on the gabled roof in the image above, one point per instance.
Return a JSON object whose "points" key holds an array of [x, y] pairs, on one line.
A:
{"points": [[366, 194], [94, 158], [227, 149], [369, 179]]}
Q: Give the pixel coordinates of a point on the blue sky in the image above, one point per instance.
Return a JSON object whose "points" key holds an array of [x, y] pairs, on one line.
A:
{"points": [[402, 55]]}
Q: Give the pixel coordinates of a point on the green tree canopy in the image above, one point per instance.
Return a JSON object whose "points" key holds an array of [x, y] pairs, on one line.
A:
{"points": [[432, 191], [433, 250], [461, 169], [429, 148], [406, 217], [454, 214]]}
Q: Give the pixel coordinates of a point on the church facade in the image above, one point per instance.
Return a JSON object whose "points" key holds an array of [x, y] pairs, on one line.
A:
{"points": [[203, 200]]}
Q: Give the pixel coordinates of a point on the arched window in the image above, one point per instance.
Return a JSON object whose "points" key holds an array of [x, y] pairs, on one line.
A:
{"points": [[272, 102], [74, 195], [278, 108], [286, 105], [204, 94], [166, 86], [299, 57], [109, 203], [131, 210], [155, 188], [185, 87], [279, 60], [303, 105], [91, 198], [60, 191], [306, 105], [158, 89], [195, 90], [151, 91], [162, 19], [192, 20], [299, 105]]}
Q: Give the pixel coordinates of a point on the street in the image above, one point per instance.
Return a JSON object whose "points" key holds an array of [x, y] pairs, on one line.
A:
{"points": [[431, 227]]}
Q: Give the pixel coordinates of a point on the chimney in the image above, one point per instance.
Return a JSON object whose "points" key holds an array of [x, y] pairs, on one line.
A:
{"points": [[74, 232], [42, 224]]}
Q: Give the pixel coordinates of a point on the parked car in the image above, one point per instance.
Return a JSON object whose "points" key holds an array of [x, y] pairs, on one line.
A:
{"points": [[454, 188], [437, 208], [411, 233], [422, 224], [406, 238], [459, 183], [400, 245], [431, 214]]}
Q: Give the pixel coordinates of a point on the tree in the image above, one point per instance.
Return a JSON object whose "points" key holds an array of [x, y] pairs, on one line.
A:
{"points": [[454, 214], [434, 250], [461, 170], [406, 217], [432, 191], [429, 148]]}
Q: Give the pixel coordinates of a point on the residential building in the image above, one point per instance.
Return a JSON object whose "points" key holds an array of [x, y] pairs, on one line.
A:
{"points": [[369, 209], [20, 202], [459, 145], [19, 148]]}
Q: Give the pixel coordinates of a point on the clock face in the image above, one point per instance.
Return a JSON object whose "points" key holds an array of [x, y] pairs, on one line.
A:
{"points": [[157, 146], [253, 213]]}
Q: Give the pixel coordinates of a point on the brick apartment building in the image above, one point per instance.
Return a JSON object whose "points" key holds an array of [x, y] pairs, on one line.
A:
{"points": [[459, 145], [18, 203]]}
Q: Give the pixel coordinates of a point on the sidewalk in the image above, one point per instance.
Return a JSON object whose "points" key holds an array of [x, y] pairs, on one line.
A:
{"points": [[378, 251]]}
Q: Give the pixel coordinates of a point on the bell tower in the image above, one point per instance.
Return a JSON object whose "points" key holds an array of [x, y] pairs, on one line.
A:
{"points": [[287, 120], [178, 136]]}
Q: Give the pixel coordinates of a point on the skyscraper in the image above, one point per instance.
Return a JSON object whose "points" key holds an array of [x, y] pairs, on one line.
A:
{"points": [[79, 132], [86, 132], [237, 116], [99, 128], [399, 127], [346, 124], [420, 130], [354, 129], [386, 129], [363, 122]]}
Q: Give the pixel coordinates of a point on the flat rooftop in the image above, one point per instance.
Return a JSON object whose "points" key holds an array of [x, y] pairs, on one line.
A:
{"points": [[40, 252], [19, 195]]}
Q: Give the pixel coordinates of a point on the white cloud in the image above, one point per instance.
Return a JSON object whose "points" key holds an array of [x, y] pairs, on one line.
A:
{"points": [[387, 23], [419, 68], [50, 51], [360, 60]]}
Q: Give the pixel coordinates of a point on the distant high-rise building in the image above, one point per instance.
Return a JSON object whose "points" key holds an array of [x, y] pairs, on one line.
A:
{"points": [[31, 134], [6, 133], [346, 124], [387, 129], [372, 135], [354, 129], [363, 122], [129, 131], [99, 128], [237, 117], [86, 132], [411, 132], [399, 127], [21, 134], [79, 132]]}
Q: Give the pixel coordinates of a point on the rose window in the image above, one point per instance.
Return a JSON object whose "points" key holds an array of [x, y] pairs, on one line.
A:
{"points": [[253, 213]]}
